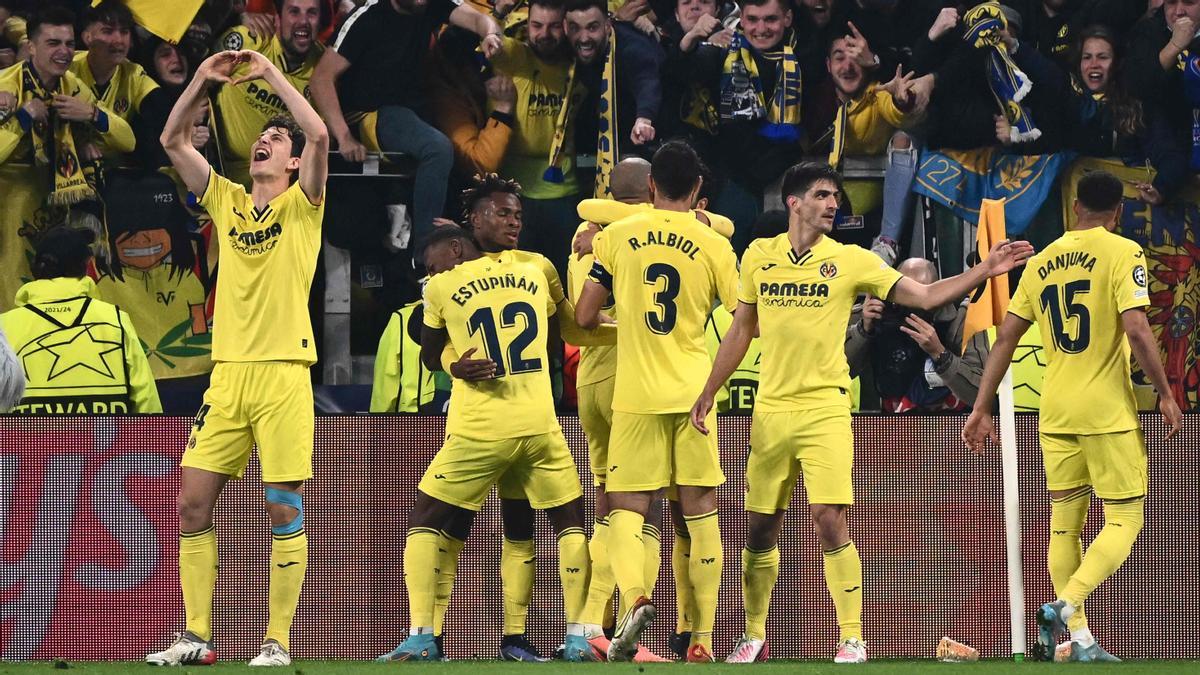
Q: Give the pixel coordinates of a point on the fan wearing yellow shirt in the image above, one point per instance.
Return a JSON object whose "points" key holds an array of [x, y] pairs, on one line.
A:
{"points": [[263, 347], [499, 308], [665, 269], [1087, 293], [119, 84], [243, 109], [796, 291]]}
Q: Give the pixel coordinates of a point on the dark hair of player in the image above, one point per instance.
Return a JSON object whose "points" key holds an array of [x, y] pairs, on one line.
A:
{"points": [[585, 5], [292, 129], [1099, 192], [62, 251], [482, 187], [53, 15], [109, 13], [801, 177], [445, 233], [675, 169]]}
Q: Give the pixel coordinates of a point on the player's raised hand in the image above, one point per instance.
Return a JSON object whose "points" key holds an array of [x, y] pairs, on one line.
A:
{"points": [[979, 428], [218, 68], [582, 245], [473, 370], [1172, 415], [1007, 255], [259, 65], [700, 410]]}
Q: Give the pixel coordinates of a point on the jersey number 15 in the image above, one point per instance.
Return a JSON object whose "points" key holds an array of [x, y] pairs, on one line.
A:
{"points": [[1060, 305]]}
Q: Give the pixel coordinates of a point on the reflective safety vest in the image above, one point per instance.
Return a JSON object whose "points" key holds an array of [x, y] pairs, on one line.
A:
{"points": [[401, 382]]}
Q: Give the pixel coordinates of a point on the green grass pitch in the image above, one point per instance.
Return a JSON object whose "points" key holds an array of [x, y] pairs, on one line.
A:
{"points": [[881, 667]]}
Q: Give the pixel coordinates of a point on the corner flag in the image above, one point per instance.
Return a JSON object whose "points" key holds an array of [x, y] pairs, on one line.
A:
{"points": [[989, 303]]}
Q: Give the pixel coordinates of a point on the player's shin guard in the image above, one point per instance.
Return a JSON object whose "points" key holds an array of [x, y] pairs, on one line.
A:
{"points": [[626, 550], [704, 566], [601, 584], [421, 570], [198, 578], [685, 599], [448, 551], [760, 570], [1123, 521], [518, 565], [843, 577], [652, 545], [1067, 517], [573, 564], [289, 562]]}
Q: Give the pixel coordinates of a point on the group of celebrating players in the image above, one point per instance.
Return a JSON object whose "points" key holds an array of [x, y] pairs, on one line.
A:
{"points": [[657, 270]]}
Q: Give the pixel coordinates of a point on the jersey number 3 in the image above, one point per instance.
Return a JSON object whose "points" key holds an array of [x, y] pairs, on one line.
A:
{"points": [[484, 321], [1061, 305], [663, 320]]}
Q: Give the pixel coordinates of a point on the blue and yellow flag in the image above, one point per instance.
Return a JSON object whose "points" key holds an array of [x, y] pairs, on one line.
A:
{"points": [[168, 20], [961, 179]]}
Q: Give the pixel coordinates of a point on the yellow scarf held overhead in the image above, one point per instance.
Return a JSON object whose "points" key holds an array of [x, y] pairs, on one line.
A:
{"points": [[168, 19], [606, 138], [54, 143], [989, 304]]}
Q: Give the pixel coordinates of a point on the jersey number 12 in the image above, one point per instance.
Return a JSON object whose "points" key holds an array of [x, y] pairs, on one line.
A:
{"points": [[512, 360]]}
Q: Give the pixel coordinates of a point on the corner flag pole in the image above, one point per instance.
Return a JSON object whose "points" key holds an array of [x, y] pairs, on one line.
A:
{"points": [[1012, 516]]}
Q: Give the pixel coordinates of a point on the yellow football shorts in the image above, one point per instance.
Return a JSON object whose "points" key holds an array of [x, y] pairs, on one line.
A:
{"points": [[648, 452], [817, 442], [538, 468], [596, 416], [268, 403], [1113, 464]]}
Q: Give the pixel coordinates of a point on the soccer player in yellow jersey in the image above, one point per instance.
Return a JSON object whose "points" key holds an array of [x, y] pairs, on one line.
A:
{"points": [[262, 345], [665, 269], [796, 291], [1087, 293], [494, 216], [243, 109], [499, 308]]}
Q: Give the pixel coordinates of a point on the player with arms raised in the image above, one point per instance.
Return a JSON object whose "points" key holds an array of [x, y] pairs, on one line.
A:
{"points": [[263, 347], [1087, 292], [499, 309], [797, 290], [664, 269]]}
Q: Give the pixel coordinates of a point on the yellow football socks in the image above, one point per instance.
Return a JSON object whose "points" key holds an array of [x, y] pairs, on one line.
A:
{"points": [[198, 578], [626, 552], [1122, 522], [704, 566], [652, 545], [685, 600], [517, 569], [421, 570], [573, 565], [448, 550], [1065, 552], [289, 562], [843, 577], [760, 570], [601, 585]]}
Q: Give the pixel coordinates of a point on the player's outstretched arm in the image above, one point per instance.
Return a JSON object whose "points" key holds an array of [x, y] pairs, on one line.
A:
{"points": [[980, 427], [729, 355], [591, 300], [314, 160], [176, 137], [1003, 257], [605, 332], [1145, 350]]}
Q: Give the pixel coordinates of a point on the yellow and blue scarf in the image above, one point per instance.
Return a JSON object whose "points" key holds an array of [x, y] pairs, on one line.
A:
{"points": [[742, 96], [54, 141], [984, 25], [606, 139]]}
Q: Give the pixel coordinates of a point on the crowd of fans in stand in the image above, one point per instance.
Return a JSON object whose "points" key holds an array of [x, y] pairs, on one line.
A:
{"points": [[528, 88]]}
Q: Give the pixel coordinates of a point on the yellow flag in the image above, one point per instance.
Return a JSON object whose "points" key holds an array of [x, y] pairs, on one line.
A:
{"points": [[168, 19], [990, 301]]}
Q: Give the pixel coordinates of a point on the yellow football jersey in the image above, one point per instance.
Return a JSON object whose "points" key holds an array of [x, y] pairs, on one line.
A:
{"points": [[596, 364], [501, 308], [665, 269], [804, 303], [553, 284], [268, 258], [243, 109], [124, 93], [1075, 290]]}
